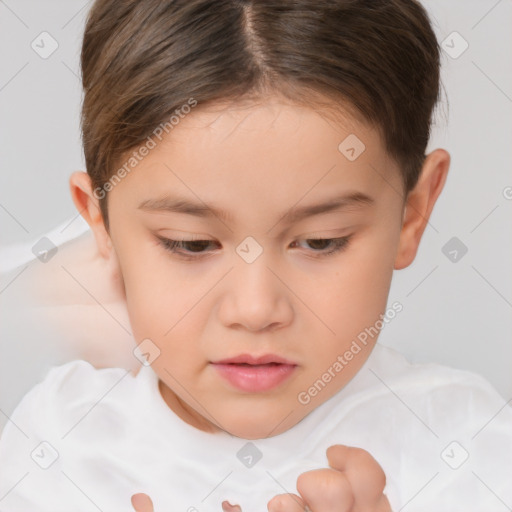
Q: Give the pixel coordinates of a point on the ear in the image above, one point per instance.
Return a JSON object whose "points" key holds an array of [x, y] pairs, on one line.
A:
{"points": [[87, 205], [419, 204]]}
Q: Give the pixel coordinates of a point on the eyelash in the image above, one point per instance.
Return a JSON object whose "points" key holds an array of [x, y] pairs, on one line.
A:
{"points": [[339, 245]]}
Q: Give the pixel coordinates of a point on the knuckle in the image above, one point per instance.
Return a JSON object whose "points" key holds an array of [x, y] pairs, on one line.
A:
{"points": [[284, 503], [323, 482], [360, 457], [276, 504], [367, 469], [337, 450], [380, 478], [363, 461], [314, 479]]}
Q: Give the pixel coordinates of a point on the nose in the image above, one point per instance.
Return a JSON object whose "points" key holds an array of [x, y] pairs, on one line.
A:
{"points": [[256, 298]]}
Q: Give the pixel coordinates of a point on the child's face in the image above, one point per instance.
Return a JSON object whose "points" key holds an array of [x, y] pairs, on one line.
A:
{"points": [[293, 300]]}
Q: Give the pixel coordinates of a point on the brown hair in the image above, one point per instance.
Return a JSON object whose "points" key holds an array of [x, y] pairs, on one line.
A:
{"points": [[142, 60]]}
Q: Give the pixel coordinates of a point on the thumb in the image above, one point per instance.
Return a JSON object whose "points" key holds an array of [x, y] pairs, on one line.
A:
{"points": [[339, 456], [142, 503], [363, 472]]}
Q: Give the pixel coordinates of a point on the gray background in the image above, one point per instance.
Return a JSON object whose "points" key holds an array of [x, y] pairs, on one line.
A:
{"points": [[458, 314]]}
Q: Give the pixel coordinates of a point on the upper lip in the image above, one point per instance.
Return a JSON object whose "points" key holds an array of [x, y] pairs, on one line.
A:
{"points": [[248, 359]]}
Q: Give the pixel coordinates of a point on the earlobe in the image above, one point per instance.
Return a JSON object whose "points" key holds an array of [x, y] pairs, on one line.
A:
{"points": [[87, 205], [419, 205]]}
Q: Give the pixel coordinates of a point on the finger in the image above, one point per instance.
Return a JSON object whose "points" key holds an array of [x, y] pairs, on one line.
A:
{"points": [[286, 503], [142, 503], [367, 479], [227, 507], [383, 504], [338, 455], [326, 490]]}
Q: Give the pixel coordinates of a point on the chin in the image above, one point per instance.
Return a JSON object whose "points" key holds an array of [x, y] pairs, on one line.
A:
{"points": [[250, 432], [260, 426]]}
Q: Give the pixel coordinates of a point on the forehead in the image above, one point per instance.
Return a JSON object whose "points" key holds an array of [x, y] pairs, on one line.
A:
{"points": [[270, 118], [270, 150], [244, 133]]}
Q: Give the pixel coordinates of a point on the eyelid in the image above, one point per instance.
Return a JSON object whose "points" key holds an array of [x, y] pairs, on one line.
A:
{"points": [[338, 246], [319, 233]]}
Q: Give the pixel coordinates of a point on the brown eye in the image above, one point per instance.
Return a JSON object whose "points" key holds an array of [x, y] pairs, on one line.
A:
{"points": [[184, 248], [319, 245]]}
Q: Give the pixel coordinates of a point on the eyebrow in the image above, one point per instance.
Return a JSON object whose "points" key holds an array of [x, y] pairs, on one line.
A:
{"points": [[182, 205]]}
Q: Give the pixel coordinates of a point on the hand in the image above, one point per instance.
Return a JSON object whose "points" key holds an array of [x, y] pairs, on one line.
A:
{"points": [[142, 503], [354, 484]]}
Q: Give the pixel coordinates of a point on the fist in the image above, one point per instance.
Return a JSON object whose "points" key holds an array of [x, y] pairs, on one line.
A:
{"points": [[354, 483]]}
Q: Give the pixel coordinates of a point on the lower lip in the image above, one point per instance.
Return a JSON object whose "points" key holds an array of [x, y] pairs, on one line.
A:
{"points": [[255, 378]]}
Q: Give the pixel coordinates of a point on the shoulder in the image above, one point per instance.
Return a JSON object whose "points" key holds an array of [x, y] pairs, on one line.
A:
{"points": [[62, 418], [66, 392], [66, 389], [77, 389], [394, 367], [443, 397], [427, 421], [69, 384], [79, 377]]}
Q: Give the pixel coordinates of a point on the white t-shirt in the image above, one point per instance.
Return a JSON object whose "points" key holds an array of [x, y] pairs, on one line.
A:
{"points": [[87, 439]]}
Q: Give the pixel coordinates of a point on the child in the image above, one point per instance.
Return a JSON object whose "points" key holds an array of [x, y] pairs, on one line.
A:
{"points": [[255, 173]]}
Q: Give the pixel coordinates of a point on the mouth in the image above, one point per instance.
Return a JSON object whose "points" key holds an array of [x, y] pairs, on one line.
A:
{"points": [[248, 359], [255, 374]]}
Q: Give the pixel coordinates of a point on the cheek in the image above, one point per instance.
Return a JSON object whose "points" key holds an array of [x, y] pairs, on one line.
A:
{"points": [[348, 294], [358, 291], [154, 296], [164, 306]]}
